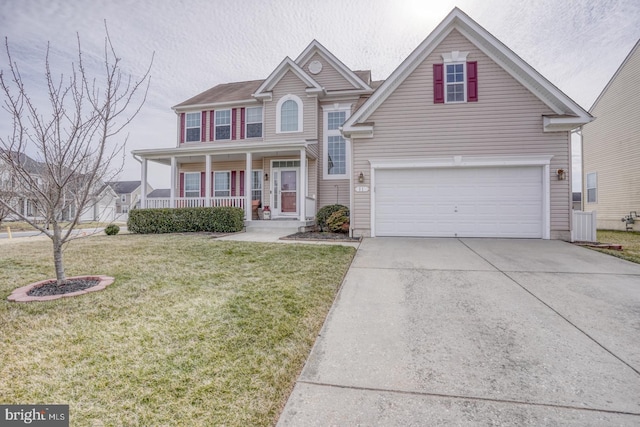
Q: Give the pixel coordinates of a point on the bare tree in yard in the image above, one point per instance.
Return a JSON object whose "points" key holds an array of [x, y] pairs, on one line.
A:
{"points": [[72, 140]]}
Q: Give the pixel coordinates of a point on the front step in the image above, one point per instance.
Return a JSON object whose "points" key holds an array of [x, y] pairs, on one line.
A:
{"points": [[279, 225]]}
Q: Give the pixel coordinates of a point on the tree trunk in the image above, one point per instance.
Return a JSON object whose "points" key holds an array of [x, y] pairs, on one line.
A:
{"points": [[57, 254]]}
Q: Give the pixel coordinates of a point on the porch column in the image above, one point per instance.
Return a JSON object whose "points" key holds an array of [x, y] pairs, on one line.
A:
{"points": [[302, 191], [143, 190], [172, 193], [207, 180], [247, 187]]}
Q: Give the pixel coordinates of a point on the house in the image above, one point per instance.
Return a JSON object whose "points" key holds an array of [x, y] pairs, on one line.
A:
{"points": [[159, 192], [577, 201], [128, 194], [611, 148], [100, 207], [463, 139]]}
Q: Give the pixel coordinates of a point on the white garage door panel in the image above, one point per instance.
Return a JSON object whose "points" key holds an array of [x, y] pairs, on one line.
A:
{"points": [[463, 202]]}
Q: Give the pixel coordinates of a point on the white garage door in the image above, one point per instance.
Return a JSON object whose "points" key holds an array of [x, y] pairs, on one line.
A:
{"points": [[459, 202]]}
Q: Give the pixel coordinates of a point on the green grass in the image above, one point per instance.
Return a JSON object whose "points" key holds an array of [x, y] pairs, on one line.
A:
{"points": [[630, 241], [193, 332]]}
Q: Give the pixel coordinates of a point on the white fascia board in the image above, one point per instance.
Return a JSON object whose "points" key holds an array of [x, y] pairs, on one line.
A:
{"points": [[462, 161], [279, 72], [226, 148], [357, 131], [214, 105], [560, 124], [350, 76]]}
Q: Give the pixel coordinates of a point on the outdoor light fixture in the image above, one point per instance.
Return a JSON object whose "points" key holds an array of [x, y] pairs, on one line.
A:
{"points": [[561, 174], [266, 177], [361, 178]]}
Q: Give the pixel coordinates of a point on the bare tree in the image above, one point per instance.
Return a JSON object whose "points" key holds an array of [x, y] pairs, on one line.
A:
{"points": [[72, 141]]}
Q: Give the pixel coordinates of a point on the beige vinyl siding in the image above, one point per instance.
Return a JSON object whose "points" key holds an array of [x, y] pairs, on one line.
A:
{"points": [[611, 147], [291, 84], [507, 120], [328, 77]]}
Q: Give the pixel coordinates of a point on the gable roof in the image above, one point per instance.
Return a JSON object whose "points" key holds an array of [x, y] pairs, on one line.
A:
{"points": [[351, 76], [264, 91], [160, 192], [124, 187], [31, 166], [240, 92], [568, 114], [633, 50]]}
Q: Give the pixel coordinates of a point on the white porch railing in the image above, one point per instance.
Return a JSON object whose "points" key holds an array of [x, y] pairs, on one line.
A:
{"points": [[584, 227], [194, 202]]}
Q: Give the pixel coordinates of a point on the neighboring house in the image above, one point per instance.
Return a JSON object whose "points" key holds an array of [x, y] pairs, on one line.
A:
{"points": [[611, 148], [128, 194], [463, 139], [101, 207], [160, 192]]}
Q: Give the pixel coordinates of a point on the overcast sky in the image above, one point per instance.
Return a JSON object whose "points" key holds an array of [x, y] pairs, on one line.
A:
{"points": [[576, 44]]}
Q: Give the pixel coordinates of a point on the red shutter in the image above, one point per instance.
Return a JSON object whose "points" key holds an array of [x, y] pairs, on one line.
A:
{"points": [[472, 81], [233, 123], [438, 83], [242, 121], [182, 124], [181, 184], [202, 184], [241, 183], [203, 127], [233, 183], [212, 124]]}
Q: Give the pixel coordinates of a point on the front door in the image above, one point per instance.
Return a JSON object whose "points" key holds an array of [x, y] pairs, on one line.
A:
{"points": [[285, 191]]}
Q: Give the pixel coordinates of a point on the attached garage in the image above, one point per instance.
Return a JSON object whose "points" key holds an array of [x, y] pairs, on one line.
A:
{"points": [[474, 201]]}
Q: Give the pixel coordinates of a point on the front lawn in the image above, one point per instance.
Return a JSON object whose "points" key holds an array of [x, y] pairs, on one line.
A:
{"points": [[629, 240], [25, 226], [193, 332]]}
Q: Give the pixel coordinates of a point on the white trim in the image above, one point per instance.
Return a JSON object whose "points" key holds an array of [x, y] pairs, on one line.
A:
{"points": [[277, 212], [297, 100], [326, 133], [447, 83], [287, 64], [214, 105], [199, 184], [454, 56], [215, 125], [587, 188], [246, 122], [187, 127], [543, 161]]}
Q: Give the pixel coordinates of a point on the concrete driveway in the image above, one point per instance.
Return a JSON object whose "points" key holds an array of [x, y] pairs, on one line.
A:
{"points": [[430, 332]]}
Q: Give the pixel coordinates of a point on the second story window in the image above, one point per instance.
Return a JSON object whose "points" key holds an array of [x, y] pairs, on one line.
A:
{"points": [[223, 124], [335, 147], [192, 127], [254, 122], [455, 83], [289, 114]]}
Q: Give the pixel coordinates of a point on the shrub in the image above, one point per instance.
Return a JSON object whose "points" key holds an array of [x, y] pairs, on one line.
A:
{"points": [[338, 222], [325, 212], [214, 220], [111, 230]]}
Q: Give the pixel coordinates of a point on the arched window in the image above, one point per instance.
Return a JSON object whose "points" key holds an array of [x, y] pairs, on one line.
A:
{"points": [[289, 114]]}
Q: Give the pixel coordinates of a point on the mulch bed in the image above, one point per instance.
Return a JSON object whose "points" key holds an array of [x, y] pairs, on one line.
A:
{"points": [[71, 285], [321, 235]]}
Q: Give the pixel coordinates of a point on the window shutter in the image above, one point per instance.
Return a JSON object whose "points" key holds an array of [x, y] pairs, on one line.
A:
{"points": [[233, 183], [472, 81], [212, 124], [242, 122], [438, 83], [202, 184], [242, 183], [181, 184], [203, 127], [182, 124], [233, 123]]}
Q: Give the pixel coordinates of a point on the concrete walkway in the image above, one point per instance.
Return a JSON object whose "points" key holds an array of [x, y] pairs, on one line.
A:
{"points": [[429, 332]]}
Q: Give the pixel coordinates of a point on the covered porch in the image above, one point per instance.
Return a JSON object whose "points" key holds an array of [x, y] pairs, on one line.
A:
{"points": [[277, 179]]}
